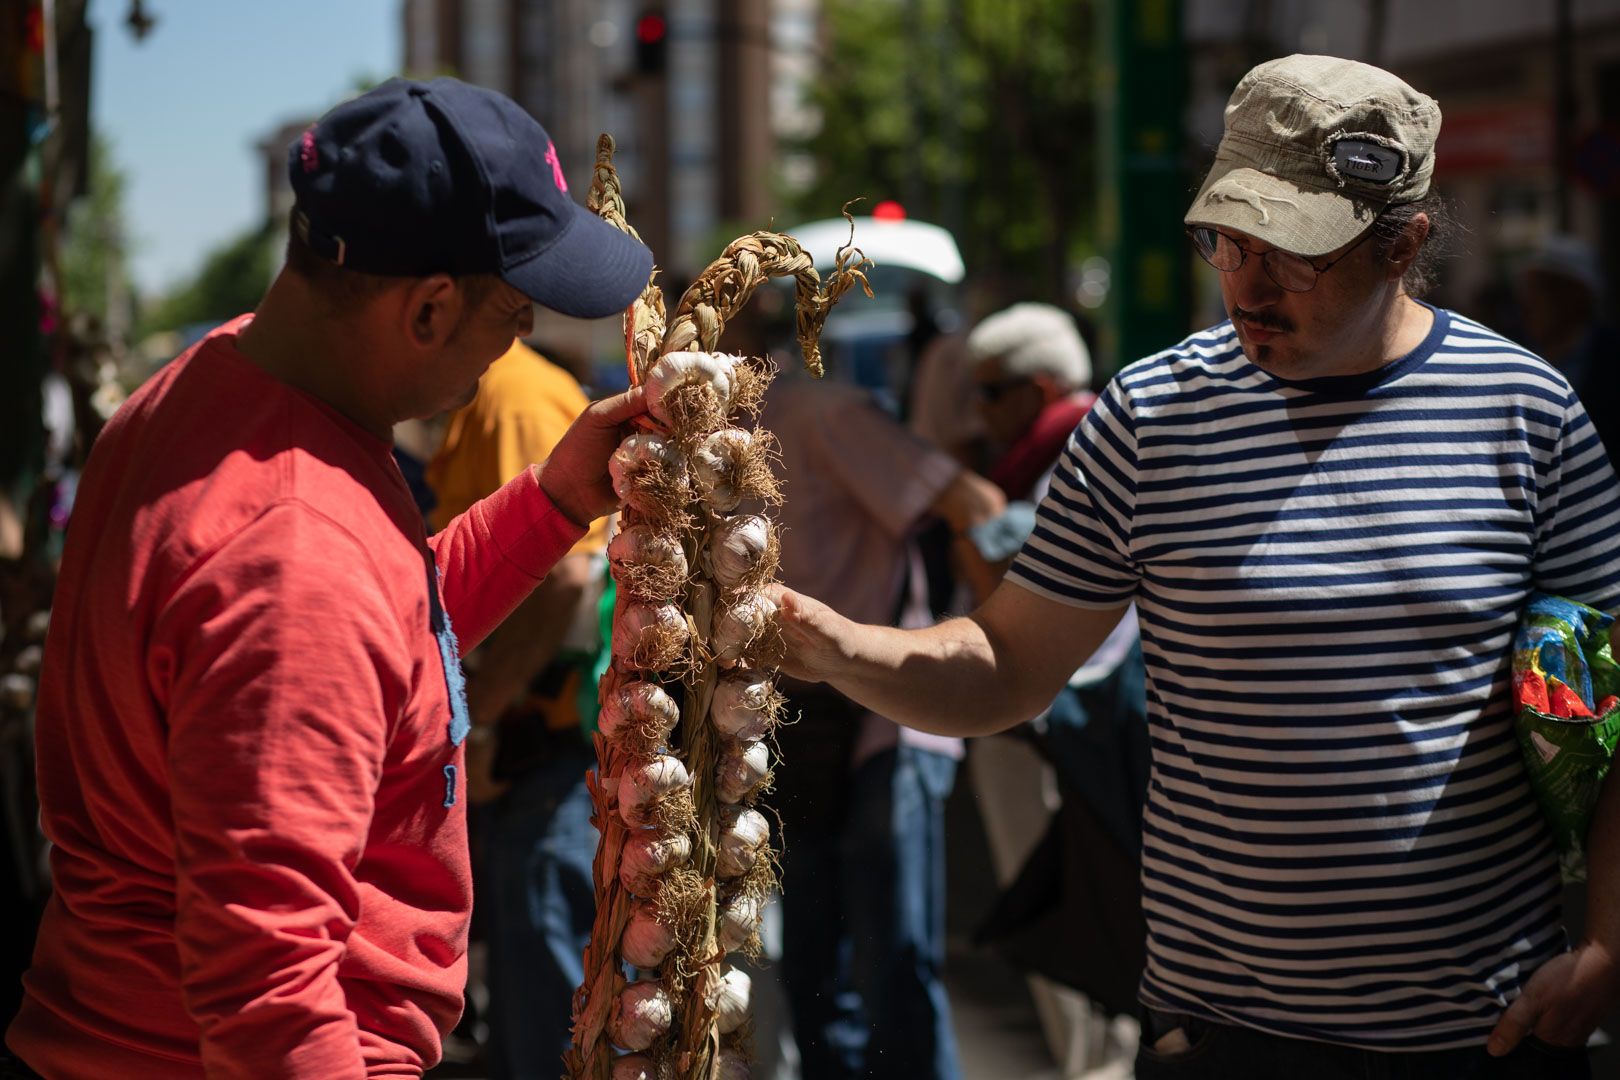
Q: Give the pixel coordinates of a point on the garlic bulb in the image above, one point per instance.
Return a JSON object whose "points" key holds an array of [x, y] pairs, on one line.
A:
{"points": [[675, 370], [742, 768], [739, 921], [737, 547], [729, 1000], [635, 1067], [649, 853], [731, 1066], [649, 475], [648, 563], [650, 637], [641, 1016], [646, 784], [717, 467], [741, 627], [641, 709], [646, 941], [743, 834], [743, 706]]}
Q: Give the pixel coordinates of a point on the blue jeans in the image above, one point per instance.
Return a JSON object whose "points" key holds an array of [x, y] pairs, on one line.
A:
{"points": [[1220, 1051], [863, 911], [538, 903]]}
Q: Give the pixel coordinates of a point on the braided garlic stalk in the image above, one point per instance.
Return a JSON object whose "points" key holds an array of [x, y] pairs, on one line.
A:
{"points": [[684, 864]]}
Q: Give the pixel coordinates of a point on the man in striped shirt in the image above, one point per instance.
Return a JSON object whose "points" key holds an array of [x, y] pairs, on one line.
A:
{"points": [[1329, 511]]}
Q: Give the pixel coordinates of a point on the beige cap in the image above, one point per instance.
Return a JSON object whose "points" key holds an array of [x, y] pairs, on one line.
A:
{"points": [[1315, 148]]}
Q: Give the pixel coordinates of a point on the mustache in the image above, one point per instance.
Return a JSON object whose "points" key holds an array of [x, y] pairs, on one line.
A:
{"points": [[1264, 322]]}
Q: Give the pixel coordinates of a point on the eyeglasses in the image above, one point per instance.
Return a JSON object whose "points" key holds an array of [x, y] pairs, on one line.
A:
{"points": [[992, 392], [1293, 272]]}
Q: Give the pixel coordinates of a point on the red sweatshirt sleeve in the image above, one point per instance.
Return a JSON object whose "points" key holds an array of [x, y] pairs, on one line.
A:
{"points": [[287, 665], [493, 556]]}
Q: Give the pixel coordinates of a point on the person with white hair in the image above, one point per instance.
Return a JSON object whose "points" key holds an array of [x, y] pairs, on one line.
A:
{"points": [[1032, 378]]}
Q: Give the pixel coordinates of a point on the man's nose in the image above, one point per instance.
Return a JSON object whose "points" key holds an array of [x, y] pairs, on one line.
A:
{"points": [[1252, 287]]}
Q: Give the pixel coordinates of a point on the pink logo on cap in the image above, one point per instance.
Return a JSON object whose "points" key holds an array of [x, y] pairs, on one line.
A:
{"points": [[306, 151], [556, 166]]}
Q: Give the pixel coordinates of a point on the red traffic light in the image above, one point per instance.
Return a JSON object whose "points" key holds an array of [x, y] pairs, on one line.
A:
{"points": [[889, 210], [650, 29]]}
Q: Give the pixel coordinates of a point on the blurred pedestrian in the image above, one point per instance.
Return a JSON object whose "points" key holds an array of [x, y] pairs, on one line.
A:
{"points": [[1031, 376], [1031, 372], [1561, 301], [1330, 512], [531, 698], [862, 803], [251, 711]]}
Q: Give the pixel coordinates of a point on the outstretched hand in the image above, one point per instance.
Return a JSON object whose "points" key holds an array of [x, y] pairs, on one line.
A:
{"points": [[575, 476], [1562, 1003], [811, 633]]}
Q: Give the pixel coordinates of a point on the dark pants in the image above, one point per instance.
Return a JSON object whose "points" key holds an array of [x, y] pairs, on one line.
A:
{"points": [[538, 903], [1220, 1052], [863, 912]]}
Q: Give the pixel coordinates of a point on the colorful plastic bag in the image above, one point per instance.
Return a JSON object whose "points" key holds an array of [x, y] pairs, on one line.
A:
{"points": [[1565, 686]]}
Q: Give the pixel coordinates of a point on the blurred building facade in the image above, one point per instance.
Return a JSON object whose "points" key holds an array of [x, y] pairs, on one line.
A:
{"points": [[698, 94], [278, 192], [1530, 96]]}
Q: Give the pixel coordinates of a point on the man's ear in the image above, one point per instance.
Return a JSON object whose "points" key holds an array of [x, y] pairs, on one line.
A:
{"points": [[431, 311], [1410, 242]]}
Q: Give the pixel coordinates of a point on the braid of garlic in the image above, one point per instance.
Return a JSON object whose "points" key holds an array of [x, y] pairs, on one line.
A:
{"points": [[644, 321], [745, 264], [708, 1030], [599, 1008], [679, 481]]}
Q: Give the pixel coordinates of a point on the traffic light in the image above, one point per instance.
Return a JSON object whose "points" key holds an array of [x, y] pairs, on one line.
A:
{"points": [[652, 37]]}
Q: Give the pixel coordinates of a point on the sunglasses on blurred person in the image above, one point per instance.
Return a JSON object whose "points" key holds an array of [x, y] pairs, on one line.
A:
{"points": [[992, 392]]}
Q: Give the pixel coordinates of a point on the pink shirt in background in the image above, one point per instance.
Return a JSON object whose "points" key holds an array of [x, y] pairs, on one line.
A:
{"points": [[857, 485]]}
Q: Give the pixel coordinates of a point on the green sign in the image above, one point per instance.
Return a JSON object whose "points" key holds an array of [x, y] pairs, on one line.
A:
{"points": [[1145, 187]]}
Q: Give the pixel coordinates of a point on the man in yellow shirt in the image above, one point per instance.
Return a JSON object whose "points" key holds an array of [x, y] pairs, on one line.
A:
{"points": [[528, 753]]}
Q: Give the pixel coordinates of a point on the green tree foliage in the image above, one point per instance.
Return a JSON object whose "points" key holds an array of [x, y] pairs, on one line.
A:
{"points": [[977, 114], [231, 281], [94, 259]]}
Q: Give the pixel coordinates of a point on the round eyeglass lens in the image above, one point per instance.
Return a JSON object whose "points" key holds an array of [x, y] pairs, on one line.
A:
{"points": [[1218, 250], [1292, 272]]}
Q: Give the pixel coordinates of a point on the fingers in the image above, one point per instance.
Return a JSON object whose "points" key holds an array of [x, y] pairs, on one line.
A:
{"points": [[1517, 1022], [798, 611], [810, 630], [620, 408], [790, 616]]}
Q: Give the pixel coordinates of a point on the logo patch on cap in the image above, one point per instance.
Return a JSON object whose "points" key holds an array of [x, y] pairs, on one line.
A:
{"points": [[1363, 159], [556, 167]]}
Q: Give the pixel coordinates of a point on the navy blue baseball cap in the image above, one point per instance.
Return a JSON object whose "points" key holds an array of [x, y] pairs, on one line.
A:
{"points": [[414, 178]]}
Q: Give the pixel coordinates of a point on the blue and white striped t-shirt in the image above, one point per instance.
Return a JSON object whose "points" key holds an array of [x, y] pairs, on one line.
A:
{"points": [[1340, 843]]}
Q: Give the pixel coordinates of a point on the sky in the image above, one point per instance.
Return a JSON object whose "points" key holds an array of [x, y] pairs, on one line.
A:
{"points": [[184, 108]]}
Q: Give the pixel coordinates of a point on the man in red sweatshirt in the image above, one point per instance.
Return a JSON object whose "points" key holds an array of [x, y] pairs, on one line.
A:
{"points": [[250, 721]]}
